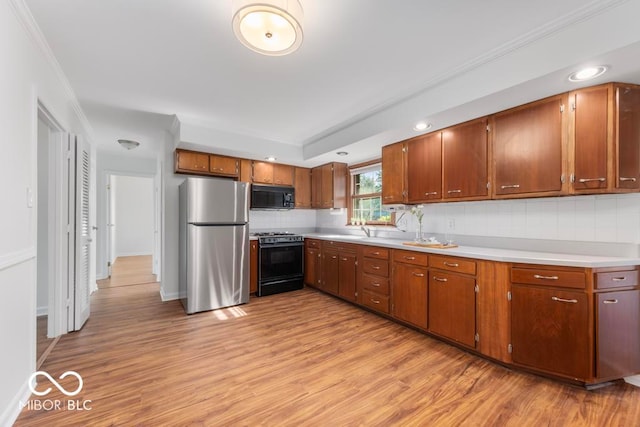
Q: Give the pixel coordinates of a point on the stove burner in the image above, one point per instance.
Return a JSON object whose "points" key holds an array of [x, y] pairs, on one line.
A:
{"points": [[272, 233]]}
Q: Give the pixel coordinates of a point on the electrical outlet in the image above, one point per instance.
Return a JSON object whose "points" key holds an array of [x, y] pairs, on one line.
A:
{"points": [[451, 224]]}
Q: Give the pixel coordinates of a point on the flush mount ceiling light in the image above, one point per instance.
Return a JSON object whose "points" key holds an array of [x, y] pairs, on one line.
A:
{"points": [[128, 144], [342, 153], [270, 159], [269, 27], [422, 126], [587, 73]]}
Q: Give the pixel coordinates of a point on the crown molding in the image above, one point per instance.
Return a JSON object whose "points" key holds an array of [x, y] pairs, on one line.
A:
{"points": [[583, 13], [26, 19]]}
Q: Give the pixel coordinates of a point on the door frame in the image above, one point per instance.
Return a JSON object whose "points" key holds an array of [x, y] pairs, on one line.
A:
{"points": [[157, 212]]}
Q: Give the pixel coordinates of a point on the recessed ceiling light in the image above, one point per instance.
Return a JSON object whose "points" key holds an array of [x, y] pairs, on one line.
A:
{"points": [[587, 73], [422, 126], [341, 153], [270, 159]]}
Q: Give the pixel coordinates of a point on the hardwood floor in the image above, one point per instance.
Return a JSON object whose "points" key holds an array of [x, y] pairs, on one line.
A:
{"points": [[130, 270], [298, 358]]}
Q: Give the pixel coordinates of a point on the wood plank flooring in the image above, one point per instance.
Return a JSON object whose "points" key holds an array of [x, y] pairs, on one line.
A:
{"points": [[130, 270], [296, 359]]}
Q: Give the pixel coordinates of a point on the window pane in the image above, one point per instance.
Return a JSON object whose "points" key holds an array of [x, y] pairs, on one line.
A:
{"points": [[370, 209], [368, 182]]}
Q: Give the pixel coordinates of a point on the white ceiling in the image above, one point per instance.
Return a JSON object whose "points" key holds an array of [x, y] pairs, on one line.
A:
{"points": [[366, 71]]}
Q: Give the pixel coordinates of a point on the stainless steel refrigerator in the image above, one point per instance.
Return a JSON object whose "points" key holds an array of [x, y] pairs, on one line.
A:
{"points": [[214, 243]]}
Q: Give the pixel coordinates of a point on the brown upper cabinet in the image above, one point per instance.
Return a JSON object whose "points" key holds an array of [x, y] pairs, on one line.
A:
{"points": [[527, 149], [222, 165], [590, 133], [303, 187], [329, 186], [465, 161], [424, 168], [272, 173], [394, 173], [191, 162], [627, 140]]}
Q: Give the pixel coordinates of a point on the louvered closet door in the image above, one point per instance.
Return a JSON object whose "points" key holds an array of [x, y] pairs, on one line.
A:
{"points": [[83, 234]]}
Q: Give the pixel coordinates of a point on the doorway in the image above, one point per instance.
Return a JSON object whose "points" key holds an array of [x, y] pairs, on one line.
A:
{"points": [[132, 230]]}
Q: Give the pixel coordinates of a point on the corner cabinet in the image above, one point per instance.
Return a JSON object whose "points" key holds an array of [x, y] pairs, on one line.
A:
{"points": [[465, 161], [191, 162]]}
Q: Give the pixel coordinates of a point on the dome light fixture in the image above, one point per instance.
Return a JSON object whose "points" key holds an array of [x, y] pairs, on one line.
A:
{"points": [[269, 27], [342, 153], [587, 73], [128, 144], [420, 126], [270, 158]]}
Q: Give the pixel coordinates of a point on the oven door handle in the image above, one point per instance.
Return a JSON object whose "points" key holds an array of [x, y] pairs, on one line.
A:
{"points": [[281, 245]]}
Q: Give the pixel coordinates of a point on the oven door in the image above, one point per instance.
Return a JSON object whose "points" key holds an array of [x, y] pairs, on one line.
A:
{"points": [[280, 261]]}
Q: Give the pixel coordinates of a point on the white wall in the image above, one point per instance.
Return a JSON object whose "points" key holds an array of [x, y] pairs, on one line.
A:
{"points": [[294, 220], [134, 216], [116, 164], [42, 292], [27, 75]]}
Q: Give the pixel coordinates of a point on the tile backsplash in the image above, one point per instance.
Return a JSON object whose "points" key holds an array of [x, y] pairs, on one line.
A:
{"points": [[293, 220]]}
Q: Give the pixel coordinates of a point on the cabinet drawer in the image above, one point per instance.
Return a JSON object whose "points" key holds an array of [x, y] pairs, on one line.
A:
{"points": [[563, 279], [379, 285], [311, 243], [411, 257], [340, 246], [458, 265], [616, 279], [375, 301], [376, 267], [373, 252]]}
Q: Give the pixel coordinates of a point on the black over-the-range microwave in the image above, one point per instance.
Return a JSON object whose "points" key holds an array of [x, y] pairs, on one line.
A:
{"points": [[272, 197]]}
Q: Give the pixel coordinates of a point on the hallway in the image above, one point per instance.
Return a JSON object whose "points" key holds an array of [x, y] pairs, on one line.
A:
{"points": [[129, 270]]}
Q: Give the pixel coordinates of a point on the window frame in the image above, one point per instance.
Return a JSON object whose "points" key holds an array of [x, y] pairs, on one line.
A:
{"points": [[351, 196]]}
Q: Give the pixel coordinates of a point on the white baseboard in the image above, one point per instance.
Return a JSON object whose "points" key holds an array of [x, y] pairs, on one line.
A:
{"points": [[134, 254], [12, 411], [168, 296], [634, 380], [42, 311]]}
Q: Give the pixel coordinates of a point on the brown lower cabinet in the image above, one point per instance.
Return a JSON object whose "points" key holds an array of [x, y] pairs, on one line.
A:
{"points": [[253, 266], [579, 324]]}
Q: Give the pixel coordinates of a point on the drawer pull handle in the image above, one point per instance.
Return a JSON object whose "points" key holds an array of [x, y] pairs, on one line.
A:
{"points": [[451, 264], [343, 259], [375, 267], [439, 279], [510, 186], [418, 274], [571, 301], [618, 279], [377, 285], [537, 276], [454, 191], [623, 179], [375, 301], [334, 257], [610, 301], [375, 253], [431, 193], [410, 258], [583, 180]]}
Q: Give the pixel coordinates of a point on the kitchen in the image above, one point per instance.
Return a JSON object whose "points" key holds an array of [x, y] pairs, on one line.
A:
{"points": [[455, 91]]}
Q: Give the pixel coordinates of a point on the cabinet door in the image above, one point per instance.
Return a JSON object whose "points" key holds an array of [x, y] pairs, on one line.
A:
{"points": [[192, 161], [310, 263], [590, 109], [527, 148], [452, 306], [618, 334], [347, 276], [263, 172], [221, 165], [628, 138], [316, 187], [303, 188], [464, 153], [326, 190], [394, 173], [253, 263], [424, 168], [330, 271], [283, 174], [550, 331], [409, 294]]}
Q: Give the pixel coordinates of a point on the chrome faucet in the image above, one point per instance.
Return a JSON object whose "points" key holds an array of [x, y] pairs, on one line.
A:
{"points": [[366, 230]]}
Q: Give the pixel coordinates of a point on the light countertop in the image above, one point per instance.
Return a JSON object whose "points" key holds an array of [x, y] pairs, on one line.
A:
{"points": [[490, 254]]}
